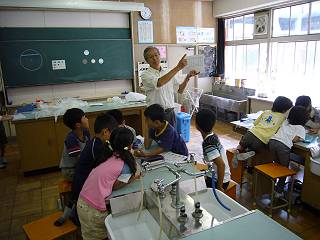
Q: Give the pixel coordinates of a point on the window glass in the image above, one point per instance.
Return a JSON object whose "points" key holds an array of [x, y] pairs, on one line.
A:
{"points": [[248, 26], [281, 19], [299, 19], [315, 17], [238, 28]]}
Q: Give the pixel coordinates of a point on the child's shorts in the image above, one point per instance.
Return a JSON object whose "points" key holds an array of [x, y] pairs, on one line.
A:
{"points": [[92, 221], [251, 142]]}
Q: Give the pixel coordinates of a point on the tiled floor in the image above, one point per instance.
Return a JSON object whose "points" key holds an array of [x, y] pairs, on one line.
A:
{"points": [[23, 199]]}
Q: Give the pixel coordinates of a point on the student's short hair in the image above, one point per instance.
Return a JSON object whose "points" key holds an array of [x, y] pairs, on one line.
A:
{"points": [[155, 112], [72, 116], [281, 104], [117, 115], [147, 49], [304, 101], [298, 115], [205, 120], [103, 121]]}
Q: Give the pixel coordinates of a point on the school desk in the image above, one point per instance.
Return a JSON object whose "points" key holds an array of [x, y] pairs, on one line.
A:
{"points": [[41, 140]]}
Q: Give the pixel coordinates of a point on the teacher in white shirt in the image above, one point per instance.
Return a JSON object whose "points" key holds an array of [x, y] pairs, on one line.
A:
{"points": [[160, 85]]}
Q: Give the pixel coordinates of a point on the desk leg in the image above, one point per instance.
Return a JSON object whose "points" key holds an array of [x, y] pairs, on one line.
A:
{"points": [[272, 196], [290, 194], [255, 173]]}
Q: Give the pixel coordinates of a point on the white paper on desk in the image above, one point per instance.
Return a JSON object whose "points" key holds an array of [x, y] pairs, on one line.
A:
{"points": [[19, 116], [195, 62], [170, 157], [254, 116]]}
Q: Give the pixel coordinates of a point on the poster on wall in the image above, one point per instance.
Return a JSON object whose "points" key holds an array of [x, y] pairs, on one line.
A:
{"points": [[205, 35], [186, 35], [194, 35], [145, 31]]}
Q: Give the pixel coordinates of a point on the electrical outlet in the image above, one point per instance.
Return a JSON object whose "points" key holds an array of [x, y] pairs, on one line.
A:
{"points": [[58, 64]]}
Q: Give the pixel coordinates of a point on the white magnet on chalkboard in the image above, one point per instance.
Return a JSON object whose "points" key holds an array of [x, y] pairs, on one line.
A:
{"points": [[86, 52], [93, 60], [101, 60]]}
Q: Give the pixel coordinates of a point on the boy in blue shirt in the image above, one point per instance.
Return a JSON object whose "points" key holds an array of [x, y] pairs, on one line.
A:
{"points": [[166, 136], [74, 143]]}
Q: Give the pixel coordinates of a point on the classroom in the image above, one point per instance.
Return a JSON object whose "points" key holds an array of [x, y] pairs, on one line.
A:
{"points": [[159, 119]]}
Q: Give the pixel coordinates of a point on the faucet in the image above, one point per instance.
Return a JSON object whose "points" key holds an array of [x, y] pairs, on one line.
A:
{"points": [[159, 187]]}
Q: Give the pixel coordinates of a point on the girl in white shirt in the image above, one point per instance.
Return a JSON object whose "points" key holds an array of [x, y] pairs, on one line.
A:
{"points": [[291, 131]]}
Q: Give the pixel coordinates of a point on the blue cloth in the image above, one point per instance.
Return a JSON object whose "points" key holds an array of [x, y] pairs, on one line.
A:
{"points": [[170, 140]]}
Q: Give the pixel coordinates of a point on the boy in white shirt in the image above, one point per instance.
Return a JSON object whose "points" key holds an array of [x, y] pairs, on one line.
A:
{"points": [[291, 131]]}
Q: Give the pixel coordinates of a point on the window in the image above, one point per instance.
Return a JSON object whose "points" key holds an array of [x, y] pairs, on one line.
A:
{"points": [[287, 62], [246, 61], [239, 28]]}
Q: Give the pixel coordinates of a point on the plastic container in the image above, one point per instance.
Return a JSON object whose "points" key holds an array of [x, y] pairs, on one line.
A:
{"points": [[315, 166], [183, 125], [177, 108]]}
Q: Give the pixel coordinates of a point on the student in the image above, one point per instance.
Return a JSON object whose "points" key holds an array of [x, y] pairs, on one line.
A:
{"points": [[3, 136], [291, 131], [115, 172], [213, 151], [165, 135], [313, 114], [267, 124], [117, 115], [94, 153], [74, 143]]}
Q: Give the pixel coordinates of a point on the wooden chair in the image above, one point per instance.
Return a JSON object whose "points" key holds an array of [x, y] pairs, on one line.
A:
{"points": [[44, 229], [273, 171]]}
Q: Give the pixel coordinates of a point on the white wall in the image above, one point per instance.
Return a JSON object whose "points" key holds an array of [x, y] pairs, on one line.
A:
{"points": [[230, 7], [23, 18]]}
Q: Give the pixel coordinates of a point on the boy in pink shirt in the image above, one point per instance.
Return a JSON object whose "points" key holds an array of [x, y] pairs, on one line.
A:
{"points": [[118, 170]]}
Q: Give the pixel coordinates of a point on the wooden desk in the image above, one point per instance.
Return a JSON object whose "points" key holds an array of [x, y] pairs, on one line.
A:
{"points": [[41, 140], [311, 183]]}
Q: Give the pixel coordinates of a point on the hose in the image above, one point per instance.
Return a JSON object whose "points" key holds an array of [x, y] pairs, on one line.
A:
{"points": [[214, 181]]}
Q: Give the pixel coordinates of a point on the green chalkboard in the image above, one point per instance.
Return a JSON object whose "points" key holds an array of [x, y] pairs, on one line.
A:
{"points": [[29, 56]]}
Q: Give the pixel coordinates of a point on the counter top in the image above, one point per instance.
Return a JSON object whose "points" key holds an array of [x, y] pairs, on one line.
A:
{"points": [[252, 226], [88, 109]]}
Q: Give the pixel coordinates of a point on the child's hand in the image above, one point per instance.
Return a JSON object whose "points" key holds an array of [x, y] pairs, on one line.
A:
{"points": [[137, 175], [314, 131], [139, 153]]}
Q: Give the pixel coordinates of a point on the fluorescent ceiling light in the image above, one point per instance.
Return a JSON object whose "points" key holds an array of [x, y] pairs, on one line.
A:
{"points": [[73, 4]]}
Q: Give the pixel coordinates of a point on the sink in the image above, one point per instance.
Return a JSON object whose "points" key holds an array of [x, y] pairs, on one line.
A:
{"points": [[211, 205], [127, 227], [226, 97]]}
